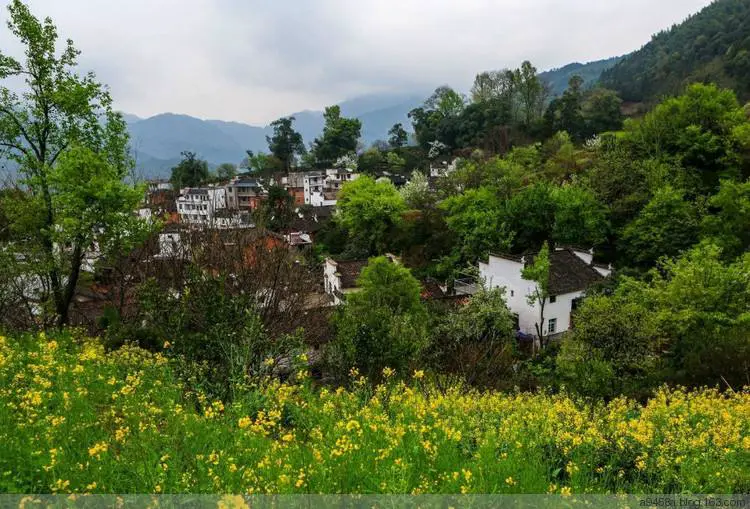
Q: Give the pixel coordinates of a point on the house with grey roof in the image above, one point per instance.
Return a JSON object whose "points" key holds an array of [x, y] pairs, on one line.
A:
{"points": [[572, 272]]}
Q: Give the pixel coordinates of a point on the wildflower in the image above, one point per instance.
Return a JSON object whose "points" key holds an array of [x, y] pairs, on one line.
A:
{"points": [[388, 372], [91, 486], [244, 422], [287, 438], [510, 481], [167, 345], [419, 374], [268, 362], [98, 449], [565, 491], [121, 433]]}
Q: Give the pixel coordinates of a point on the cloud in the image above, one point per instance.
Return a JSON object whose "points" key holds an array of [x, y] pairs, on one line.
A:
{"points": [[254, 60]]}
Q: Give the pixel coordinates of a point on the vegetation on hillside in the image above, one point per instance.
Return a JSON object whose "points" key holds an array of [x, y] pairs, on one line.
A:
{"points": [[711, 46]]}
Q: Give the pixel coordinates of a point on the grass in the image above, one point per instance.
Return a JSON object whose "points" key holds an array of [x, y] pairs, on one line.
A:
{"points": [[76, 419]]}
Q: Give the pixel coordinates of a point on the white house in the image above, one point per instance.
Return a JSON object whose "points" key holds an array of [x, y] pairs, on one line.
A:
{"points": [[322, 189], [340, 278], [572, 272], [198, 206]]}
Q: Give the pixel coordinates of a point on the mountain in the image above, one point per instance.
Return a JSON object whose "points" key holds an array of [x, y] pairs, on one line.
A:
{"points": [[590, 72], [711, 46], [158, 141]]}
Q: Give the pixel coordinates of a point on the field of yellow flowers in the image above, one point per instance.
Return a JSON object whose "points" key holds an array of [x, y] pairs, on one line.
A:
{"points": [[76, 419]]}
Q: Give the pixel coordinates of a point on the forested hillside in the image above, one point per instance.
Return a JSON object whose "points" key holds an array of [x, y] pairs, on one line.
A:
{"points": [[590, 72], [711, 46]]}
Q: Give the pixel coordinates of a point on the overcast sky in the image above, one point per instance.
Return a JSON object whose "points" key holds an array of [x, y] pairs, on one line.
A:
{"points": [[255, 60]]}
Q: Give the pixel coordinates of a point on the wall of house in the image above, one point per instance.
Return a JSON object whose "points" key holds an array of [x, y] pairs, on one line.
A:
{"points": [[332, 282], [502, 273]]}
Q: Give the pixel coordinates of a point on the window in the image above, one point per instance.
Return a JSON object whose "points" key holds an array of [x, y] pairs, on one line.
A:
{"points": [[511, 293], [552, 326], [553, 299]]}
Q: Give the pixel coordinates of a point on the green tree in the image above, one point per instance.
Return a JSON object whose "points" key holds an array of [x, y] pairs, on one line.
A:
{"points": [[602, 112], [476, 341], [397, 136], [667, 226], [339, 138], [285, 143], [190, 172], [475, 219], [72, 151], [579, 218], [276, 212], [538, 272], [614, 349], [226, 171], [727, 226], [371, 212], [532, 93], [384, 324]]}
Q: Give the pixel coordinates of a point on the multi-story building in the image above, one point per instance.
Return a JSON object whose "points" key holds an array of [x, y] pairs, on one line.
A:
{"points": [[199, 205], [294, 183], [322, 189], [244, 193]]}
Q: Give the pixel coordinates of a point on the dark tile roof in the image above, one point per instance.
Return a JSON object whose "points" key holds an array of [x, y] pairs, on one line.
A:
{"points": [[568, 273], [196, 190], [349, 271]]}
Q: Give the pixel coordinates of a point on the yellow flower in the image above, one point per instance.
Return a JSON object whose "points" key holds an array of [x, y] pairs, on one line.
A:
{"points": [[268, 362], [419, 374], [91, 486], [388, 372], [510, 481], [167, 344], [288, 437], [565, 491], [98, 449], [121, 433], [244, 422]]}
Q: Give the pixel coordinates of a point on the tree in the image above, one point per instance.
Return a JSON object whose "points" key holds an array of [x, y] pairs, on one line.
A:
{"points": [[532, 92], [494, 85], [71, 148], [475, 218], [226, 171], [667, 226], [286, 143], [397, 136], [538, 272], [416, 192], [339, 138], [579, 218], [727, 226], [381, 325], [477, 340], [276, 212], [602, 112], [189, 172], [371, 212]]}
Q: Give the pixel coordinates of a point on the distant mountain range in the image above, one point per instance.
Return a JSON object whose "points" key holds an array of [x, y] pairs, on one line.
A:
{"points": [[590, 72], [158, 141]]}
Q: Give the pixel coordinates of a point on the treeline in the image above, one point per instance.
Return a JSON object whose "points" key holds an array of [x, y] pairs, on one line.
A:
{"points": [[712, 46]]}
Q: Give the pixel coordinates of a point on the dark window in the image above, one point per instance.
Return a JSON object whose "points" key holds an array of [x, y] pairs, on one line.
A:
{"points": [[553, 299]]}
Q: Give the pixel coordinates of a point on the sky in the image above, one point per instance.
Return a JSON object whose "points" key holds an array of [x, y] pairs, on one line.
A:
{"points": [[256, 60]]}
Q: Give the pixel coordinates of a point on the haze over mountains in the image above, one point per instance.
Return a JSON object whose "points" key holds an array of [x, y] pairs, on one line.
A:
{"points": [[158, 141]]}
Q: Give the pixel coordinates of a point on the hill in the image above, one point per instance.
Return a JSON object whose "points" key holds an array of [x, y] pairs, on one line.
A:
{"points": [[158, 141], [590, 72], [710, 46]]}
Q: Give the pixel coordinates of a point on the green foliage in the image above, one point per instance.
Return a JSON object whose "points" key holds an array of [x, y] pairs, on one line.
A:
{"points": [[339, 138], [71, 149], [699, 131], [285, 143], [383, 325], [666, 226], [397, 136], [216, 332], [475, 218], [613, 350], [580, 219], [477, 340], [711, 46], [277, 211], [190, 172], [538, 272], [226, 171], [371, 212], [727, 225]]}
